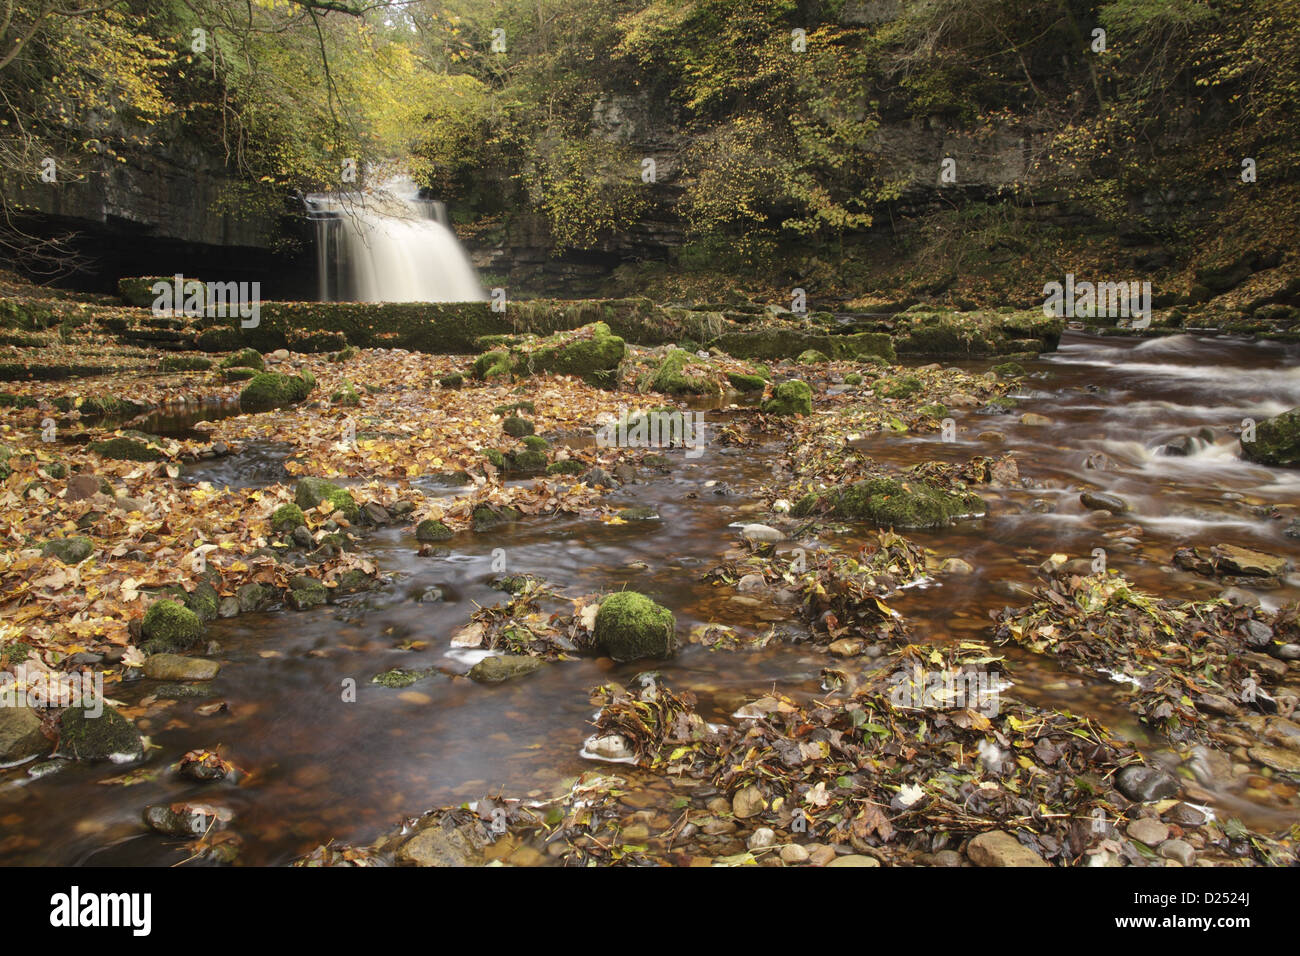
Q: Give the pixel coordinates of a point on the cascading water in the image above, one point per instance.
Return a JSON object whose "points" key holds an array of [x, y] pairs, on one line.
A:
{"points": [[389, 245]]}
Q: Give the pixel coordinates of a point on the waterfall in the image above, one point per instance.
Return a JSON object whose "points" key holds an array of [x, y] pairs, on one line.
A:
{"points": [[389, 245]]}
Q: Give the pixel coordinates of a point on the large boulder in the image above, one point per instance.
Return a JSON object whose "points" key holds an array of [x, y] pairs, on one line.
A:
{"points": [[630, 626], [790, 398], [1277, 441], [87, 735], [20, 734], [269, 390], [169, 627]]}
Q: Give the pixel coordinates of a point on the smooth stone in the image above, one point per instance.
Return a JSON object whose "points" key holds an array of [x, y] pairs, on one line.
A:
{"points": [[956, 566], [1145, 784], [750, 583], [1179, 851], [854, 859], [747, 802], [179, 667], [494, 670], [999, 848], [761, 534], [793, 853], [1102, 501], [1148, 830], [1034, 419], [20, 734], [1281, 760], [762, 838]]}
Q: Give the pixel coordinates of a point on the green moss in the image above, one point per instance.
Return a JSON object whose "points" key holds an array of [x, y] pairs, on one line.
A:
{"points": [[790, 398], [431, 530], [746, 383], [184, 363], [904, 386], [454, 380], [935, 410], [346, 396], [570, 466], [310, 492], [491, 365], [639, 513], [399, 677], [203, 601], [812, 357], [536, 442], [85, 736], [853, 378], [517, 427], [244, 358], [68, 550], [888, 502], [269, 390], [218, 339], [286, 518], [496, 458], [1277, 441], [630, 626], [238, 374], [670, 379], [345, 354], [306, 592], [55, 469], [1009, 370], [527, 460], [593, 357], [169, 627], [486, 517], [515, 407]]}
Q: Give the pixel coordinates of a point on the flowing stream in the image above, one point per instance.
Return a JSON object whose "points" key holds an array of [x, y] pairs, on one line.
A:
{"points": [[319, 768]]}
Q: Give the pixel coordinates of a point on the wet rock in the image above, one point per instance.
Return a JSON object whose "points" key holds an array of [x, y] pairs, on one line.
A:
{"points": [[1179, 851], [251, 597], [306, 592], [168, 822], [821, 855], [630, 626], [1148, 830], [793, 853], [888, 502], [1145, 784], [999, 848], [1258, 635], [624, 473], [1034, 419], [108, 736], [430, 530], [1005, 471], [992, 436], [610, 747], [747, 802], [1103, 501], [471, 635], [751, 583], [302, 537], [761, 534], [495, 670], [854, 859], [639, 513], [1280, 759], [1287, 652], [229, 607], [176, 667], [761, 839], [1277, 441], [1233, 560], [20, 734], [1185, 815], [440, 846], [598, 477], [311, 492], [183, 691]]}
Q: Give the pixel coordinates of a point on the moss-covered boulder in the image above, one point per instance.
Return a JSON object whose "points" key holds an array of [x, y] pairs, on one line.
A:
{"points": [[853, 378], [454, 380], [517, 427], [527, 461], [184, 363], [204, 601], [169, 627], [790, 398], [1277, 441], [432, 530], [287, 517], [126, 449], [535, 442], [904, 386], [496, 459], [671, 377], [746, 383], [486, 517], [252, 597], [890, 503], [310, 492], [592, 353], [86, 734], [68, 550], [269, 390], [569, 466], [491, 365], [630, 626], [811, 357]]}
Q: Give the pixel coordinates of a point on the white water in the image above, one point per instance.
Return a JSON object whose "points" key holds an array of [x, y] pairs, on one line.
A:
{"points": [[388, 245]]}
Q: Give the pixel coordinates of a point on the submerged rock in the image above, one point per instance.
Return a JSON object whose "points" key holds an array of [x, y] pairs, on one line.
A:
{"points": [[20, 734], [1146, 784], [497, 669], [630, 626], [1103, 501], [177, 667]]}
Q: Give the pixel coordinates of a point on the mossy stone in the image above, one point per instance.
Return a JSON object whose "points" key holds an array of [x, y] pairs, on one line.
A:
{"points": [[169, 627], [746, 383], [83, 736], [1277, 441], [431, 530], [126, 449], [310, 492], [244, 358], [268, 390], [812, 357], [517, 427], [287, 517], [68, 550], [790, 398], [527, 461], [570, 466], [630, 626]]}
